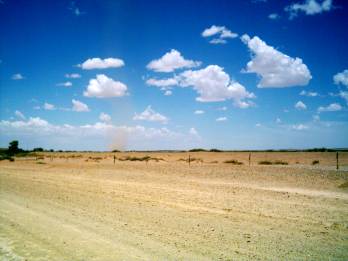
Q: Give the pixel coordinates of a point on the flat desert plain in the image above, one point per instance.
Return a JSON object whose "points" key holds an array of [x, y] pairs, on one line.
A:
{"points": [[83, 206]]}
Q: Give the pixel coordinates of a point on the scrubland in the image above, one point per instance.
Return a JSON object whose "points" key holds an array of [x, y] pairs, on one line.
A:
{"points": [[162, 206]]}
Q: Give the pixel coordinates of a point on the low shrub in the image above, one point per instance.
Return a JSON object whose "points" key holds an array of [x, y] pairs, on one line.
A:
{"points": [[265, 162], [315, 162], [191, 160], [234, 162], [145, 158], [279, 162], [40, 162], [6, 157]]}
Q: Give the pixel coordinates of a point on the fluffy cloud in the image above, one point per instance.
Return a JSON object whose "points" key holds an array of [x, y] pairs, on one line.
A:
{"points": [[273, 16], [104, 117], [97, 63], [300, 106], [79, 106], [65, 84], [193, 132], [162, 83], [276, 69], [20, 115], [221, 119], [199, 112], [17, 76], [341, 78], [168, 93], [299, 127], [213, 84], [331, 107], [49, 107], [150, 115], [221, 32], [217, 41], [171, 61], [344, 95], [105, 87], [36, 131], [309, 94], [224, 108], [72, 75], [309, 7]]}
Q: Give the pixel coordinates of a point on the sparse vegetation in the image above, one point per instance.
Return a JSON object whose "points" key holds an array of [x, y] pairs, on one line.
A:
{"points": [[265, 162], [280, 162], [277, 162], [145, 158], [234, 162], [191, 160], [315, 162], [344, 185]]}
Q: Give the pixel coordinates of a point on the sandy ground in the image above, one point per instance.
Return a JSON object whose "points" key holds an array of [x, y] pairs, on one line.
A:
{"points": [[83, 208]]}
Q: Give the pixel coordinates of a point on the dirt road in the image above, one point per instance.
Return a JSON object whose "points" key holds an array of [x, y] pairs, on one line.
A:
{"points": [[79, 210]]}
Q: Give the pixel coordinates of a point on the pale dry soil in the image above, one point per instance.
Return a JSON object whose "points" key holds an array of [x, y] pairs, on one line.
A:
{"points": [[78, 210]]}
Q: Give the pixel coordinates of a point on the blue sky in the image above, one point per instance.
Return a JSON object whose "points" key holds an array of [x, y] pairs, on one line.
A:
{"points": [[99, 75]]}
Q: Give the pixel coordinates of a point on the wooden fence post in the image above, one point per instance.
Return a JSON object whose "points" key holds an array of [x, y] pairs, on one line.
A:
{"points": [[189, 160], [337, 160], [249, 157]]}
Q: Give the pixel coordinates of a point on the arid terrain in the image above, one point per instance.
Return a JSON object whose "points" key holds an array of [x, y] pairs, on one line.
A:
{"points": [[83, 206]]}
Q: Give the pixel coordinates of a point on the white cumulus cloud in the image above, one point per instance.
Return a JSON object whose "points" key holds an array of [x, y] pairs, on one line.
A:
{"points": [[19, 115], [72, 75], [331, 107], [162, 83], [65, 84], [277, 70], [171, 61], [49, 107], [344, 95], [300, 106], [17, 76], [150, 115], [274, 16], [105, 87], [309, 93], [199, 112], [309, 7], [341, 78], [214, 84], [299, 127], [79, 106], [221, 32], [100, 135], [221, 119], [104, 117], [98, 63], [168, 93]]}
